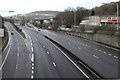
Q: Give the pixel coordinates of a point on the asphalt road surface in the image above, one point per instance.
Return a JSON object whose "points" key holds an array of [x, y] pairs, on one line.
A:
{"points": [[103, 60], [16, 62], [49, 61], [35, 57]]}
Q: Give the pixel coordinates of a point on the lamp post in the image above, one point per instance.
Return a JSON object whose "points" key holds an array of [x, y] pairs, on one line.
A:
{"points": [[117, 18], [74, 17]]}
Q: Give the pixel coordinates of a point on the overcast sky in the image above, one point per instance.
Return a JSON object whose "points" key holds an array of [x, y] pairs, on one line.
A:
{"points": [[26, 6]]}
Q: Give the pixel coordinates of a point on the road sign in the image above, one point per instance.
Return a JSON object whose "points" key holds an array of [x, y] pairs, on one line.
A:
{"points": [[1, 32]]}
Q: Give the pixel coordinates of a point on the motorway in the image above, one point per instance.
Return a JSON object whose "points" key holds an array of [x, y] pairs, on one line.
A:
{"points": [[15, 56], [35, 57], [49, 60], [102, 59]]}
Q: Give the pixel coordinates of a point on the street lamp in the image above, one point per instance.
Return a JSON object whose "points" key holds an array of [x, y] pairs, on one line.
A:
{"points": [[74, 17], [117, 17]]}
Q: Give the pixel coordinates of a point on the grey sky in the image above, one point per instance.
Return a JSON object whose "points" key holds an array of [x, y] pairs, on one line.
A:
{"points": [[26, 6]]}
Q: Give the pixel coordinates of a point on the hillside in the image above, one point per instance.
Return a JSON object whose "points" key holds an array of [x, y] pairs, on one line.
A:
{"points": [[107, 9]]}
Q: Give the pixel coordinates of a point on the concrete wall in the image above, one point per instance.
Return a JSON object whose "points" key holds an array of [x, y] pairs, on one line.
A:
{"points": [[107, 39], [0, 22]]}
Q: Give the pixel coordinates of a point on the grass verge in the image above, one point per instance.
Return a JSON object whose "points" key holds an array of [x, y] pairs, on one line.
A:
{"points": [[19, 30], [5, 41]]}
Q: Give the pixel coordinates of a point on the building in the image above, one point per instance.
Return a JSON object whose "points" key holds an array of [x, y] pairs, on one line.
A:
{"points": [[100, 20], [0, 21]]}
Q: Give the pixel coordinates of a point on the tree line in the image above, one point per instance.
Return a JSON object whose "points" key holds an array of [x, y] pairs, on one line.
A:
{"points": [[80, 13]]}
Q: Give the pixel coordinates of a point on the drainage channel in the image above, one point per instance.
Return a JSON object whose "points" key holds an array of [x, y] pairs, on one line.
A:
{"points": [[89, 71]]}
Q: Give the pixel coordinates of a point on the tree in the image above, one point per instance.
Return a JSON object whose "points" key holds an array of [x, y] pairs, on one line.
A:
{"points": [[92, 13]]}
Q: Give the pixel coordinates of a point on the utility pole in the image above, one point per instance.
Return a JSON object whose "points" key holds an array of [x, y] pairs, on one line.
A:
{"points": [[117, 18], [74, 18]]}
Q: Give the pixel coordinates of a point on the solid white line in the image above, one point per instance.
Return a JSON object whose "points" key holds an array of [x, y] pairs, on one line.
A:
{"points": [[5, 57], [54, 64], [70, 60]]}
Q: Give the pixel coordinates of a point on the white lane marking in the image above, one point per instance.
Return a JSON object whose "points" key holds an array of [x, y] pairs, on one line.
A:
{"points": [[31, 57], [54, 64], [71, 61], [5, 57], [32, 67], [95, 56], [48, 53], [32, 72], [86, 45], [104, 52], [100, 50], [16, 66], [32, 49], [31, 76], [32, 64], [8, 43], [115, 57], [44, 46], [96, 49], [31, 44], [79, 48], [18, 54], [109, 54]]}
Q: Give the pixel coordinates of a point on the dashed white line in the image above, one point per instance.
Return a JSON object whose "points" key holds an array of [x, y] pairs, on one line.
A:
{"points": [[95, 56], [96, 49], [32, 64], [109, 54], [32, 72], [79, 48], [44, 46], [32, 77], [48, 53], [31, 57], [115, 57], [54, 64], [70, 60], [16, 66], [18, 54], [32, 67], [32, 49], [100, 50], [104, 52]]}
